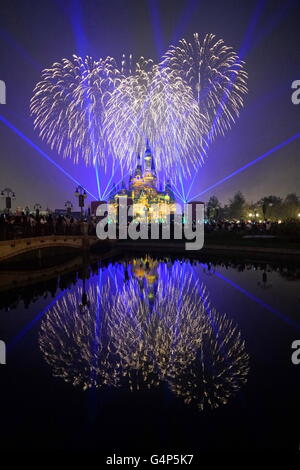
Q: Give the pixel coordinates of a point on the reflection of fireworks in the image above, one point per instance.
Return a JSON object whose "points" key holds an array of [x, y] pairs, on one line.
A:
{"points": [[157, 338], [222, 367], [175, 337], [74, 343], [88, 109]]}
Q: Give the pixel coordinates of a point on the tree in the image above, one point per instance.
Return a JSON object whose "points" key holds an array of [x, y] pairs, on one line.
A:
{"points": [[237, 206], [213, 207], [270, 206], [291, 206]]}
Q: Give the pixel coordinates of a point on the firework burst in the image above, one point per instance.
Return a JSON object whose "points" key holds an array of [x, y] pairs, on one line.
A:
{"points": [[158, 105], [69, 103], [216, 76], [93, 111]]}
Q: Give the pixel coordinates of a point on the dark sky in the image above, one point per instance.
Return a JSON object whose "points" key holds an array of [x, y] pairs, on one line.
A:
{"points": [[34, 34]]}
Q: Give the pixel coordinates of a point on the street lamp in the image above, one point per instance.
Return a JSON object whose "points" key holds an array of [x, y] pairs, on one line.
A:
{"points": [[9, 195], [69, 206], [81, 194]]}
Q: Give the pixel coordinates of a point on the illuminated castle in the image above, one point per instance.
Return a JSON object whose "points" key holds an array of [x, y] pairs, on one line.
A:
{"points": [[142, 192]]}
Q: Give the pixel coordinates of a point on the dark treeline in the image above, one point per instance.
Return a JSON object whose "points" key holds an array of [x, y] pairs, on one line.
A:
{"points": [[271, 208]]}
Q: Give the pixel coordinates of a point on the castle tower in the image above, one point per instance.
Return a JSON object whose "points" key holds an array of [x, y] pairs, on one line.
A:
{"points": [[138, 173], [149, 167], [148, 157]]}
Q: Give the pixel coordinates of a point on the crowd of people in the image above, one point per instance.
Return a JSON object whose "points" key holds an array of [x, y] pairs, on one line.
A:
{"points": [[250, 227], [30, 225], [14, 226]]}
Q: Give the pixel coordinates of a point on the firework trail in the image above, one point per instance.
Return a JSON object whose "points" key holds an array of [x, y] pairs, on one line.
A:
{"points": [[216, 76], [172, 336]]}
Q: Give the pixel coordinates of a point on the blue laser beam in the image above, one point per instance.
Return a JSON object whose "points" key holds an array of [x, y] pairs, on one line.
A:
{"points": [[43, 154], [153, 8], [248, 165], [182, 188], [35, 320], [178, 193], [263, 304], [107, 188], [188, 12], [118, 182], [98, 181]]}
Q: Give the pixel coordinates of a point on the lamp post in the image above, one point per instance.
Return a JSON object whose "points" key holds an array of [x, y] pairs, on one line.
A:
{"points": [[81, 194], [37, 207], [69, 206], [9, 195]]}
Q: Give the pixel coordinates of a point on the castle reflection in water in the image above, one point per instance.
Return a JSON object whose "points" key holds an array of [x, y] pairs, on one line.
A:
{"points": [[142, 323]]}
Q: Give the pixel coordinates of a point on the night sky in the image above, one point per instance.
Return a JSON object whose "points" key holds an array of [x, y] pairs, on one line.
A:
{"points": [[34, 34]]}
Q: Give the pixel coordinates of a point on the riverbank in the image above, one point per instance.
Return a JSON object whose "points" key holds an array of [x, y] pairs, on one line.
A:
{"points": [[239, 248]]}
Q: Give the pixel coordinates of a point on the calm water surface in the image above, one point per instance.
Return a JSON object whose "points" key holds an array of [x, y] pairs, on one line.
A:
{"points": [[153, 354]]}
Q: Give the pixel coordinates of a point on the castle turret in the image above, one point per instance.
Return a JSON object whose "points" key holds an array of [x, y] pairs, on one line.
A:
{"points": [[148, 157], [138, 171], [149, 166], [169, 190]]}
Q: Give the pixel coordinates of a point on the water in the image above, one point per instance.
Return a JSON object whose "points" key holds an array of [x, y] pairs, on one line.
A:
{"points": [[147, 355]]}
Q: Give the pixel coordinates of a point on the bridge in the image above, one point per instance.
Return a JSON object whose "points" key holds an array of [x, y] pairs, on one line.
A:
{"points": [[19, 246]]}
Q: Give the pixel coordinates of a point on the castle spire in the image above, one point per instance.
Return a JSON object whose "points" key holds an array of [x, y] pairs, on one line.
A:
{"points": [[152, 164], [148, 157]]}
